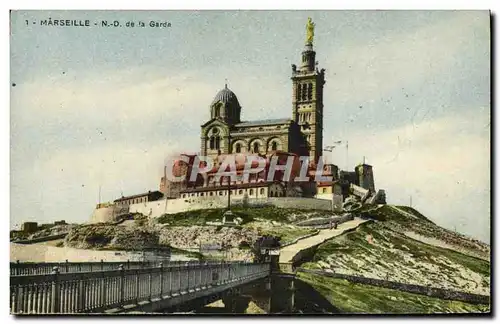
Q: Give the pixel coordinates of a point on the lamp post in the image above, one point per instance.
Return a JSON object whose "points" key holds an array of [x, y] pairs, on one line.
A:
{"points": [[229, 193]]}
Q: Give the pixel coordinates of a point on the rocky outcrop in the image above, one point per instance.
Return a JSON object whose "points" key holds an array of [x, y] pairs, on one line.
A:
{"points": [[190, 237], [107, 236], [139, 234], [54, 230]]}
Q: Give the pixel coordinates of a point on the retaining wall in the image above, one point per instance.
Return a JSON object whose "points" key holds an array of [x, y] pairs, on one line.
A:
{"points": [[172, 206], [416, 289], [42, 239]]}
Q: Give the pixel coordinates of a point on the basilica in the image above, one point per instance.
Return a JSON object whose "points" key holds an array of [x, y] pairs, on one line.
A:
{"points": [[225, 132], [225, 135]]}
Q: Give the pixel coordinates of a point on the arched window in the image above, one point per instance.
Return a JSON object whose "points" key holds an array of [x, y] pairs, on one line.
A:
{"points": [[251, 191], [261, 191], [217, 142], [309, 91], [274, 146], [240, 192], [255, 147], [304, 92], [238, 148], [217, 111], [215, 138]]}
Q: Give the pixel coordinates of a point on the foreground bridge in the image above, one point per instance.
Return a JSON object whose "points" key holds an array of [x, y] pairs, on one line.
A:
{"points": [[146, 289], [35, 268]]}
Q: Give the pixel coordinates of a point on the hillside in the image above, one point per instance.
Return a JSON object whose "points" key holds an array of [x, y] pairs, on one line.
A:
{"points": [[386, 250], [358, 298], [191, 230], [394, 243]]}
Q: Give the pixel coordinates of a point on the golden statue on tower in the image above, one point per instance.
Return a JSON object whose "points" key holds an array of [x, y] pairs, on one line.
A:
{"points": [[309, 31]]}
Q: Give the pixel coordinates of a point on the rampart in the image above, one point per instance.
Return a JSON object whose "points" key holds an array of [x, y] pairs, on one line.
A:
{"points": [[172, 206]]}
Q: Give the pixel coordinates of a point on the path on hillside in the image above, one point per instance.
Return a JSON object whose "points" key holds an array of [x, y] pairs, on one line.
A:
{"points": [[288, 252], [399, 210]]}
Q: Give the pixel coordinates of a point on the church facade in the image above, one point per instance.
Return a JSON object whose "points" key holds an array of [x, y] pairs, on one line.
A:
{"points": [[225, 132]]}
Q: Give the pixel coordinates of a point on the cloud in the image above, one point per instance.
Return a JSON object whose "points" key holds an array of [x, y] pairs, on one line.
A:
{"points": [[402, 58], [67, 185], [442, 163], [119, 97], [72, 134]]}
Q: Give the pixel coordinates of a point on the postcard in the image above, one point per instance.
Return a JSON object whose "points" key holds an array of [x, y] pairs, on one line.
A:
{"points": [[324, 162]]}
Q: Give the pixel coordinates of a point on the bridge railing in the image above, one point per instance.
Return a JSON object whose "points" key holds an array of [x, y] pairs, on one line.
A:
{"points": [[94, 292], [31, 268]]}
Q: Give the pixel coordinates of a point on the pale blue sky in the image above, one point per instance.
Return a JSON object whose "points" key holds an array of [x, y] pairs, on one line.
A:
{"points": [[422, 79]]}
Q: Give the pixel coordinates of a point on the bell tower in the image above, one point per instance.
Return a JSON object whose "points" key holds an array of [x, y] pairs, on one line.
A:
{"points": [[307, 96]]}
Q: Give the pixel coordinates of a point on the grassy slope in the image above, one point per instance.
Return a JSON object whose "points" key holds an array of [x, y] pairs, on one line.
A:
{"points": [[358, 298], [250, 217], [200, 216], [355, 243], [381, 250]]}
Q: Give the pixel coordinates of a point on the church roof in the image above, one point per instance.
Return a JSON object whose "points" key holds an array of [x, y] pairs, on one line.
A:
{"points": [[225, 95], [149, 193], [264, 122], [233, 186]]}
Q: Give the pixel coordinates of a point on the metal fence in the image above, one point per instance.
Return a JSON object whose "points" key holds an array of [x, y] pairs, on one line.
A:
{"points": [[32, 268], [94, 292]]}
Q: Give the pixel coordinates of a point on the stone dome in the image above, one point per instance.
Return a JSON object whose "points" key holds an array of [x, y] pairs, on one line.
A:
{"points": [[226, 106], [226, 96]]}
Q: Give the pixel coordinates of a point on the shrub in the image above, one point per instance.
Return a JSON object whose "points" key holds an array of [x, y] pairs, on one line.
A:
{"points": [[243, 245]]}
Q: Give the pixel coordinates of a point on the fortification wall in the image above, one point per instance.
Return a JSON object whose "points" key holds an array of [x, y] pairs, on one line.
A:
{"points": [[172, 206], [108, 214], [359, 191], [151, 208], [102, 215], [300, 203], [325, 196], [337, 202]]}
